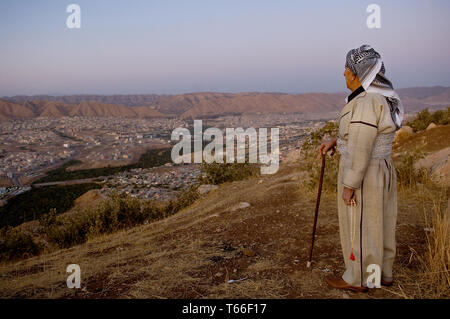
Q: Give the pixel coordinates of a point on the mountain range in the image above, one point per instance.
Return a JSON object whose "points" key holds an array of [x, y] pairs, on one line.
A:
{"points": [[198, 105]]}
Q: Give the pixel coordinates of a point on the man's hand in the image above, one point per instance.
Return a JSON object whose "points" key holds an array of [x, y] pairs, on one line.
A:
{"points": [[347, 195], [326, 146]]}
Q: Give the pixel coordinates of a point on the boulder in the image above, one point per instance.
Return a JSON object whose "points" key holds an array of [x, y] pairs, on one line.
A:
{"points": [[293, 156], [206, 188], [241, 205], [438, 164], [431, 126], [403, 134]]}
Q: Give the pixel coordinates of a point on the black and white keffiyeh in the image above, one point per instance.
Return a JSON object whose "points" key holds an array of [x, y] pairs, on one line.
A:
{"points": [[367, 64]]}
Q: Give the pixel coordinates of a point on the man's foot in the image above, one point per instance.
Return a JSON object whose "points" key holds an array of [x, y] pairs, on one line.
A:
{"points": [[339, 283]]}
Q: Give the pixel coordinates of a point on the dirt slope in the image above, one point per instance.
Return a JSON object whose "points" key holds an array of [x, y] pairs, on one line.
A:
{"points": [[193, 253]]}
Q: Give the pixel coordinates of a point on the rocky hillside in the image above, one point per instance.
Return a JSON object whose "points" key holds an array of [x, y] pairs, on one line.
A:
{"points": [[36, 108], [434, 148], [255, 233], [195, 105]]}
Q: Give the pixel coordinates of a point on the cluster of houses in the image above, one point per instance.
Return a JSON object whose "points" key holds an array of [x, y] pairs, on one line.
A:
{"points": [[153, 183]]}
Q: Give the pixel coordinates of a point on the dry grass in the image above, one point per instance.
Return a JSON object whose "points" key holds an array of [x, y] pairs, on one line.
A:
{"points": [[194, 253], [422, 265], [436, 262]]}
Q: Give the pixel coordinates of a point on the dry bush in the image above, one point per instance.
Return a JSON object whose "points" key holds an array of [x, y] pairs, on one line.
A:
{"points": [[16, 244], [64, 231], [116, 213], [407, 174], [425, 118], [312, 161], [218, 173]]}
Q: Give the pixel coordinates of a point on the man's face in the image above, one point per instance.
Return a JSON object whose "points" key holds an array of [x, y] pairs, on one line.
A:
{"points": [[349, 78]]}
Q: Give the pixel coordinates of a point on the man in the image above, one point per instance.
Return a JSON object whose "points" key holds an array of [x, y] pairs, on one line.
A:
{"points": [[367, 193]]}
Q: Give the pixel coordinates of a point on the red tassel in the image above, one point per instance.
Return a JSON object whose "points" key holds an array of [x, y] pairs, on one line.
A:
{"points": [[352, 257]]}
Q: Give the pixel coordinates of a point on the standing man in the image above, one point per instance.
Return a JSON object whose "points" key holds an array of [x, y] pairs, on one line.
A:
{"points": [[367, 193]]}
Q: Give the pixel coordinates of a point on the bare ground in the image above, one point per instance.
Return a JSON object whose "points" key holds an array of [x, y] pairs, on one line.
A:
{"points": [[194, 253]]}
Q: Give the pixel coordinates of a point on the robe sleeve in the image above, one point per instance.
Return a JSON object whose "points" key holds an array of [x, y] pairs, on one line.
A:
{"points": [[362, 131]]}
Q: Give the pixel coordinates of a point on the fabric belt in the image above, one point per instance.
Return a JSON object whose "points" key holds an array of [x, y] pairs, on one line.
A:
{"points": [[381, 148]]}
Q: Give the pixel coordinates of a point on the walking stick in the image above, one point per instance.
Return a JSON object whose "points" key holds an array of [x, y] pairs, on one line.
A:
{"points": [[316, 213]]}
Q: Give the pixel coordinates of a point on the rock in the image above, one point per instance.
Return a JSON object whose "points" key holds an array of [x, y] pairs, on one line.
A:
{"points": [[293, 156], [438, 164], [248, 252], [431, 126], [403, 134], [241, 205], [206, 188]]}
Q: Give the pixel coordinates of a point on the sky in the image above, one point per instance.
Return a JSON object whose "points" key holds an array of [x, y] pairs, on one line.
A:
{"points": [[180, 46]]}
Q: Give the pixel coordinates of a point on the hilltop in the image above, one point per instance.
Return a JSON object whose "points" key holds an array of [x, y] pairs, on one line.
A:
{"points": [[43, 108], [256, 229]]}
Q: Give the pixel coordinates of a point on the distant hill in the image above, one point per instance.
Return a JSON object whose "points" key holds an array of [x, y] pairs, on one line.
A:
{"points": [[36, 108], [203, 104]]}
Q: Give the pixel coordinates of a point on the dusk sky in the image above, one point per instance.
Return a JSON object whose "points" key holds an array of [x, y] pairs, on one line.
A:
{"points": [[180, 46]]}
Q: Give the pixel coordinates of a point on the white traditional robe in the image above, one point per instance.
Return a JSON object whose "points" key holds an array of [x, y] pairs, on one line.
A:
{"points": [[366, 131]]}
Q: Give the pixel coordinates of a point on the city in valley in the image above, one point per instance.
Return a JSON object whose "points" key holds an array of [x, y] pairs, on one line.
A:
{"points": [[30, 148]]}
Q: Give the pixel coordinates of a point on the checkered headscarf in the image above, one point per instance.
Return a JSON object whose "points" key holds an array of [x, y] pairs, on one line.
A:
{"points": [[367, 64]]}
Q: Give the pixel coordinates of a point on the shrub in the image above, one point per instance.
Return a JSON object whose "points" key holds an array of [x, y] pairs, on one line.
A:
{"points": [[15, 243], [407, 175], [218, 173], [424, 118], [184, 199], [48, 220], [118, 212], [153, 212], [32, 204], [312, 160], [330, 175], [69, 231]]}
